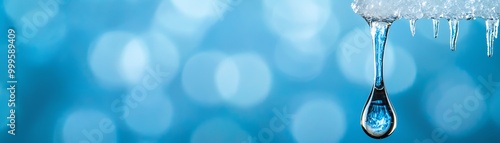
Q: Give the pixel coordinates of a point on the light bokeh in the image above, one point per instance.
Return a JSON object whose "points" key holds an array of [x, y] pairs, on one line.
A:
{"points": [[198, 77], [249, 80], [319, 121], [233, 70]]}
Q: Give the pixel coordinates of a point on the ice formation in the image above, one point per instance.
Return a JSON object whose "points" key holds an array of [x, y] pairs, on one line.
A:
{"points": [[452, 10], [378, 118]]}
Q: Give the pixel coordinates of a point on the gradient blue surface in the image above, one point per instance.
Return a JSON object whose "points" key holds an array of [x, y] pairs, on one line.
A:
{"points": [[237, 71]]}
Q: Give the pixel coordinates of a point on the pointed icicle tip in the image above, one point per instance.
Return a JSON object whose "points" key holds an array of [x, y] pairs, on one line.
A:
{"points": [[435, 27], [453, 23], [491, 26], [412, 27]]}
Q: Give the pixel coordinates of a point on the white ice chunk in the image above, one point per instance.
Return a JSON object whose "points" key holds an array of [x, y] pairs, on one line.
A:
{"points": [[452, 10], [390, 10]]}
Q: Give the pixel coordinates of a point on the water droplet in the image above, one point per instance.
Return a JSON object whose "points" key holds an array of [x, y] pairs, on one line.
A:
{"points": [[435, 27], [412, 26], [490, 34], [453, 33], [378, 119]]}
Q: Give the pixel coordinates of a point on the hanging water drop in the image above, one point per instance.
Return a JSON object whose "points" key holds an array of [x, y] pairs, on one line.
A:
{"points": [[435, 27], [490, 35], [378, 118], [412, 27], [453, 33]]}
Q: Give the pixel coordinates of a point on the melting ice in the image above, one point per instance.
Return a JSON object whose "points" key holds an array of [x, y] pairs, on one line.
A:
{"points": [[451, 10], [378, 118]]}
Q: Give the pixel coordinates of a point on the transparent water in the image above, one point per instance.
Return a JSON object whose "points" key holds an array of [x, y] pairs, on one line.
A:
{"points": [[378, 118]]}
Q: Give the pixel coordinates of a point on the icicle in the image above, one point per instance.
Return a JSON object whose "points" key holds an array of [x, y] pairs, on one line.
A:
{"points": [[453, 33], [412, 26], [490, 34], [435, 23], [495, 28]]}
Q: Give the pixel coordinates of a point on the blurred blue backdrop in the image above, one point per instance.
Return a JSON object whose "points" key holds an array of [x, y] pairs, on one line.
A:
{"points": [[209, 71]]}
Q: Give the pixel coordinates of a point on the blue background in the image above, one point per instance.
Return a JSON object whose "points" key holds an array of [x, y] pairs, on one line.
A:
{"points": [[233, 67]]}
